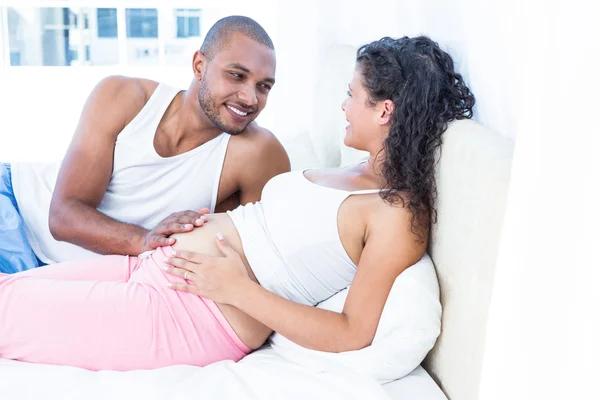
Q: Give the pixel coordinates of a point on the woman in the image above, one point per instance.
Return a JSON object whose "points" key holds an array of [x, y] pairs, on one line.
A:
{"points": [[312, 234]]}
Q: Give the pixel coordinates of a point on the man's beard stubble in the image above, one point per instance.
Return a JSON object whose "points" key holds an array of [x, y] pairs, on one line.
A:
{"points": [[208, 105]]}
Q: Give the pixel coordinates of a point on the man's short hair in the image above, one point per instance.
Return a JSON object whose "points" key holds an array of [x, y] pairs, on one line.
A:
{"points": [[218, 36]]}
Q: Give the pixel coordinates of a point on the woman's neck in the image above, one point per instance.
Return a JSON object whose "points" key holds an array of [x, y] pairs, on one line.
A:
{"points": [[373, 168], [375, 162]]}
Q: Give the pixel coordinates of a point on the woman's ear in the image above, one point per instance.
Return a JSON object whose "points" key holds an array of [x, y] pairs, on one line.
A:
{"points": [[387, 110], [198, 64]]}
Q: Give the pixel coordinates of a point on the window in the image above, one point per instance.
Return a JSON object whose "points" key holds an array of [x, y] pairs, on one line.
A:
{"points": [[73, 54], [60, 36], [56, 36], [107, 22], [188, 22], [63, 36], [15, 58], [142, 22], [73, 19]]}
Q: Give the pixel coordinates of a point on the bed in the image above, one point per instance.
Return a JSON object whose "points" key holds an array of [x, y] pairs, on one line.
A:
{"points": [[455, 275], [262, 375]]}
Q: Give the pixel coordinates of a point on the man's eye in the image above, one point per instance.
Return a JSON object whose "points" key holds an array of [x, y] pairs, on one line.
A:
{"points": [[237, 76], [266, 87]]}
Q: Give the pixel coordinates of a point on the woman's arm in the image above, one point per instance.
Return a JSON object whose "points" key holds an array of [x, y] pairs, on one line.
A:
{"points": [[390, 248]]}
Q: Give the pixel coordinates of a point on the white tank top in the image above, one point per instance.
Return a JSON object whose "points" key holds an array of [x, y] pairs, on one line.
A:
{"points": [[291, 240], [144, 187]]}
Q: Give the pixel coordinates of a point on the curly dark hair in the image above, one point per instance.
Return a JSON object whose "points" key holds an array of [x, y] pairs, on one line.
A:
{"points": [[428, 94]]}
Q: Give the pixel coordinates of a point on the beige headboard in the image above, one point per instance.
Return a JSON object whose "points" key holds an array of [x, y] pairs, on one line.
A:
{"points": [[473, 177]]}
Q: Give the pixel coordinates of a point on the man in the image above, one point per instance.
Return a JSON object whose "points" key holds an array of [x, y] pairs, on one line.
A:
{"points": [[143, 150]]}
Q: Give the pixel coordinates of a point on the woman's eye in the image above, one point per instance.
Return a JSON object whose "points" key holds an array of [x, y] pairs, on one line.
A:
{"points": [[348, 93]]}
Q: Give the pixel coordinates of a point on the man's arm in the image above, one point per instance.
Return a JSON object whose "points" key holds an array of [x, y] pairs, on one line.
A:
{"points": [[252, 159], [264, 159], [86, 171]]}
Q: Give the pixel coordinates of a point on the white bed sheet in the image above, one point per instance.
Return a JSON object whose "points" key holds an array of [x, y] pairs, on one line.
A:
{"points": [[417, 385], [264, 374]]}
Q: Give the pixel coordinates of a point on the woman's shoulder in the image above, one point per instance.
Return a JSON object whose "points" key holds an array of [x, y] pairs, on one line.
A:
{"points": [[393, 216], [392, 207]]}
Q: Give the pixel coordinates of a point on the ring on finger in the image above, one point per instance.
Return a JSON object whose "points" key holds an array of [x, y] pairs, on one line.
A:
{"points": [[185, 275]]}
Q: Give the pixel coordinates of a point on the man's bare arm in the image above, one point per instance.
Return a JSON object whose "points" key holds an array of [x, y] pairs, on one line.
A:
{"points": [[86, 171], [265, 159]]}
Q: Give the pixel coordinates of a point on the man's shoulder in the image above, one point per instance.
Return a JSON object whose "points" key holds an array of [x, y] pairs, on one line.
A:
{"points": [[122, 98], [127, 89], [256, 134], [256, 140], [260, 148]]}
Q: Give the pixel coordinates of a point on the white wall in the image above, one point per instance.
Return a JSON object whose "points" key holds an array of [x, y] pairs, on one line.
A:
{"points": [[39, 113], [307, 32], [544, 320], [481, 35]]}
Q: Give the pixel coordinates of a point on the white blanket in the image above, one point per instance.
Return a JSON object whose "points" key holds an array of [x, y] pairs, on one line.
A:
{"points": [[264, 374]]}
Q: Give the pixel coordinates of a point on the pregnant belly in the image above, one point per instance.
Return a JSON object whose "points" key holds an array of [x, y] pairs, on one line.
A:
{"points": [[203, 240]]}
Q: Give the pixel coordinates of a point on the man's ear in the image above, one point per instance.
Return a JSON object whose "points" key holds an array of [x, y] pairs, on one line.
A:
{"points": [[198, 64], [387, 110]]}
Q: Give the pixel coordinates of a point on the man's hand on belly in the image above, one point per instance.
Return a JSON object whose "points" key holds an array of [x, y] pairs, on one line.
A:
{"points": [[178, 222]]}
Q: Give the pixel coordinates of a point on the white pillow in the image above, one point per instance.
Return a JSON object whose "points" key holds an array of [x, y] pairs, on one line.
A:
{"points": [[407, 330]]}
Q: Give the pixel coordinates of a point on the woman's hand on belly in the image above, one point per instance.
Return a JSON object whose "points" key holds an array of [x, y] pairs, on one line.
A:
{"points": [[217, 278], [200, 245]]}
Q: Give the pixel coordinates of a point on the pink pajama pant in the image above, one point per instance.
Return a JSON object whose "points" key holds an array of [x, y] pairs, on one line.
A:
{"points": [[111, 312]]}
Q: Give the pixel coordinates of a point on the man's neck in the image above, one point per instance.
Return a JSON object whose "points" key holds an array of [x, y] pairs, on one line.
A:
{"points": [[192, 122], [184, 126]]}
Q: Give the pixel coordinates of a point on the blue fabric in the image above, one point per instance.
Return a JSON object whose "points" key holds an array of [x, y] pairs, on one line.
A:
{"points": [[15, 252]]}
